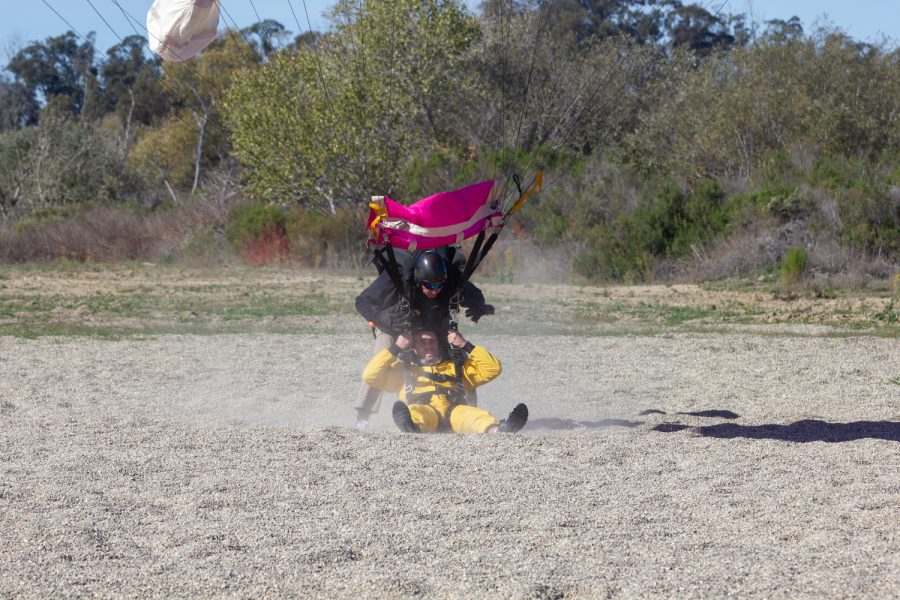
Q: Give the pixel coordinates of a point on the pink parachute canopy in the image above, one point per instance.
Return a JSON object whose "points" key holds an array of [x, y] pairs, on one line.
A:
{"points": [[438, 220]]}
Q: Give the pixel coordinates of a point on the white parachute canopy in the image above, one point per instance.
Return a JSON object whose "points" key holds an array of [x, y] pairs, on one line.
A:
{"points": [[179, 29]]}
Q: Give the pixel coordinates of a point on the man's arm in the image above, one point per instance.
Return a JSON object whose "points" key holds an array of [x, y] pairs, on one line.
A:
{"points": [[379, 295], [384, 371], [481, 366], [473, 300]]}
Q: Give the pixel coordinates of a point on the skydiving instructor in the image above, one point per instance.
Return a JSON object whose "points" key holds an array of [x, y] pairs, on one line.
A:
{"points": [[431, 279]]}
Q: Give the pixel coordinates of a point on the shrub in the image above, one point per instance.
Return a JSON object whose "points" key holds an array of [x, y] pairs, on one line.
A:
{"points": [[248, 221], [259, 232], [671, 225], [793, 265], [61, 163]]}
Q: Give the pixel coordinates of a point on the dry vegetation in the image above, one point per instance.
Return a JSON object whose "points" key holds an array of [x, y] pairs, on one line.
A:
{"points": [[144, 298]]}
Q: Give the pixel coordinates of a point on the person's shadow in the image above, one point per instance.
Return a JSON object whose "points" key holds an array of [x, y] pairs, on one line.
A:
{"points": [[808, 430], [556, 424]]}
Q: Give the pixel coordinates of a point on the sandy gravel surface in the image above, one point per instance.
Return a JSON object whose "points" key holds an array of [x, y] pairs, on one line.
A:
{"points": [[670, 465]]}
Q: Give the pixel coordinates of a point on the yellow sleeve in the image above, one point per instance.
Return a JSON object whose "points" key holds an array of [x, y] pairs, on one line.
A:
{"points": [[481, 367], [384, 372]]}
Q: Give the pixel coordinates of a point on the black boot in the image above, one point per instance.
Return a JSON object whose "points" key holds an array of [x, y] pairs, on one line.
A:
{"points": [[403, 419], [515, 421]]}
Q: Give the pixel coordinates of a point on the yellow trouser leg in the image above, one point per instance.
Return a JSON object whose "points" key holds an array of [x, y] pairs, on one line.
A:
{"points": [[468, 419], [425, 417]]}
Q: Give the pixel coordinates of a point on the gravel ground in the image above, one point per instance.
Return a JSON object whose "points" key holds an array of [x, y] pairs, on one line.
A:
{"points": [[671, 465]]}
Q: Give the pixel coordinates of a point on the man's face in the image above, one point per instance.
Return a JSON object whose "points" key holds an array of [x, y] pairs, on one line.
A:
{"points": [[431, 289], [426, 346]]}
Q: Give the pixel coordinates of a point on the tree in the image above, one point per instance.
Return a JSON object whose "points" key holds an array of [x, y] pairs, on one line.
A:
{"points": [[779, 31], [696, 28], [545, 86], [266, 37], [325, 127], [61, 162], [132, 86], [592, 20], [18, 108], [59, 66], [198, 86]]}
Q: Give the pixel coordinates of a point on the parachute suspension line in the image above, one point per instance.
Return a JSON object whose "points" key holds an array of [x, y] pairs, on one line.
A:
{"points": [[121, 40], [505, 30], [319, 207], [536, 184], [360, 77], [330, 213], [478, 252], [655, 9], [362, 162], [571, 111], [321, 76], [394, 273], [262, 29], [542, 22], [671, 44], [226, 16], [472, 262], [344, 209], [560, 79], [215, 122], [543, 19], [390, 124]]}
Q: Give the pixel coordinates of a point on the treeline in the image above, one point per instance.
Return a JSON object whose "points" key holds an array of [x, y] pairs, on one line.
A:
{"points": [[677, 142]]}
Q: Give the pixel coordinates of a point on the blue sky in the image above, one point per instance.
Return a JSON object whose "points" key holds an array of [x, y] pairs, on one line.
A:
{"points": [[27, 20]]}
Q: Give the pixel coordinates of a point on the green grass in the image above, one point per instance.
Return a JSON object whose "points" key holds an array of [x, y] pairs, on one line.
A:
{"points": [[157, 302], [122, 332], [146, 310]]}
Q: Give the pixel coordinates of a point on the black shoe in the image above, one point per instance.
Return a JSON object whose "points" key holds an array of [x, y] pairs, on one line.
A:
{"points": [[403, 419], [515, 421]]}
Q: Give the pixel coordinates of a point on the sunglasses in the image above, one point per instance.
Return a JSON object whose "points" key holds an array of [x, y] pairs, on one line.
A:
{"points": [[433, 285]]}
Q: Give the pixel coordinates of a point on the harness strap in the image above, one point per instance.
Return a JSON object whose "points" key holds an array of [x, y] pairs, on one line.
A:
{"points": [[393, 270], [409, 380], [439, 377]]}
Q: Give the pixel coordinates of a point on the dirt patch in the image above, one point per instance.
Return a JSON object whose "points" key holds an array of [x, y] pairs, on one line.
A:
{"points": [[759, 460], [678, 464]]}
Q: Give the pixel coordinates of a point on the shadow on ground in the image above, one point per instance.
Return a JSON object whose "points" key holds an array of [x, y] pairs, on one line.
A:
{"points": [[712, 414], [555, 424], [808, 430]]}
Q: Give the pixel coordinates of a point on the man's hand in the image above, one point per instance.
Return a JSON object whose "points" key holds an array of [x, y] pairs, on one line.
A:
{"points": [[402, 341], [476, 312], [455, 339]]}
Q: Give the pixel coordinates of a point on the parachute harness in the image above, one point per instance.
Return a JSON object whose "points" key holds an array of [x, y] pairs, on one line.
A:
{"points": [[425, 225]]}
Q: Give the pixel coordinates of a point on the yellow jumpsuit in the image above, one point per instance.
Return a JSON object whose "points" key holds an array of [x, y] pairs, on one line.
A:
{"points": [[433, 403]]}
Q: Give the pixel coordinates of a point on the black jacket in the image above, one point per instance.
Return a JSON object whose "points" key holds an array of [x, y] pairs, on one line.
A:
{"points": [[427, 313]]}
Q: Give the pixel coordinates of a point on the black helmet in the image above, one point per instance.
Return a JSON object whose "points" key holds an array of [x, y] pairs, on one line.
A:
{"points": [[431, 268]]}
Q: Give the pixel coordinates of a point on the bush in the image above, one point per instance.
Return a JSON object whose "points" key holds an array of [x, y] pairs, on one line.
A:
{"points": [[248, 222], [61, 163], [259, 232], [672, 225], [793, 265]]}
